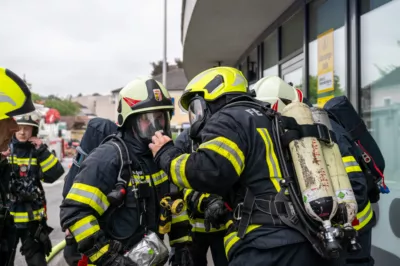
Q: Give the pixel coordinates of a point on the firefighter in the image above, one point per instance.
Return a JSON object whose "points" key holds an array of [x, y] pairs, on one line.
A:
{"points": [[203, 239], [15, 99], [31, 162], [115, 201], [275, 91], [236, 157]]}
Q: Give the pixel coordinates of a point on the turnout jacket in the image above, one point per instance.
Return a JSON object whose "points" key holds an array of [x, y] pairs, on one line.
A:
{"points": [[237, 152], [41, 165], [350, 157], [196, 211], [87, 213]]}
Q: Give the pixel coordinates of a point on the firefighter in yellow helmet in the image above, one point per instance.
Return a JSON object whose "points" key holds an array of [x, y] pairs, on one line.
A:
{"points": [[237, 160], [114, 202], [279, 94], [15, 99]]}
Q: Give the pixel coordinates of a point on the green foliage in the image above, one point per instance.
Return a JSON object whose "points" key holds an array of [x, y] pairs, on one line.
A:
{"points": [[179, 63], [313, 89], [158, 68], [65, 107], [35, 97]]}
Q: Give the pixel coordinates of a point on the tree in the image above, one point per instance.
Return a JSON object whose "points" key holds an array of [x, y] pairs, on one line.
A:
{"points": [[35, 97], [179, 63], [95, 94], [79, 95], [313, 89], [65, 107], [158, 68]]}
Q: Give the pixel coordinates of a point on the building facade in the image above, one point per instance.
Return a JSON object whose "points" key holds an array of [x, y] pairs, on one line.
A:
{"points": [[97, 105], [324, 47]]}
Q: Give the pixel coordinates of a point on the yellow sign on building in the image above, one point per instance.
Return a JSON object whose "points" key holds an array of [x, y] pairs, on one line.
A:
{"points": [[325, 67]]}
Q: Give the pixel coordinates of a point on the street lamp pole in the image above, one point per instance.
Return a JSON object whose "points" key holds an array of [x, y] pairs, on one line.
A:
{"points": [[164, 73]]}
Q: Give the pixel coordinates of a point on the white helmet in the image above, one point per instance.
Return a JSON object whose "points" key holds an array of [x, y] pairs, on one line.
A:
{"points": [[278, 93]]}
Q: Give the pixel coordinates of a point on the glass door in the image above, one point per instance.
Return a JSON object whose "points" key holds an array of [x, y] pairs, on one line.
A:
{"points": [[292, 71]]}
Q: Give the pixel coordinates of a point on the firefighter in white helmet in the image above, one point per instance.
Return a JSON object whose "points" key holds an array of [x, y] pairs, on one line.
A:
{"points": [[279, 94]]}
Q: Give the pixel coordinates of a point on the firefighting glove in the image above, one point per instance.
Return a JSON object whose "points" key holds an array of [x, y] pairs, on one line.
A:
{"points": [[114, 258], [182, 256], [215, 214]]}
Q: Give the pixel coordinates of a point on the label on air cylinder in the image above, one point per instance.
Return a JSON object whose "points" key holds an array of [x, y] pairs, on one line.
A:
{"points": [[344, 194]]}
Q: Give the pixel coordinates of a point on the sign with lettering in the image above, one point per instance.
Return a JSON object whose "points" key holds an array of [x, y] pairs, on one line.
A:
{"points": [[325, 67]]}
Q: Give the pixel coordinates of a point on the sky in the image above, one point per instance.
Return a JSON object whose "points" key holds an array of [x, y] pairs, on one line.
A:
{"points": [[85, 46]]}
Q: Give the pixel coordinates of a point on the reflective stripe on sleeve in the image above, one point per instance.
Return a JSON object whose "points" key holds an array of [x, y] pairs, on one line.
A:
{"points": [[181, 217], [231, 239], [23, 217], [158, 178], [19, 161], [181, 240], [271, 159], [178, 168], [84, 228], [228, 149], [364, 216], [48, 163], [198, 226], [351, 164], [90, 196]]}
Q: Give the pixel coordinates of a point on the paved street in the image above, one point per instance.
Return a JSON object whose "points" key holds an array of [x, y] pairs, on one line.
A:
{"points": [[54, 198]]}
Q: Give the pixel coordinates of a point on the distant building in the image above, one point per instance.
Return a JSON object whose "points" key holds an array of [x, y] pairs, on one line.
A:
{"points": [[100, 105]]}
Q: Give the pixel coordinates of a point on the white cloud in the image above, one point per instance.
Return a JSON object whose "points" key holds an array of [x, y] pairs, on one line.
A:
{"points": [[68, 47]]}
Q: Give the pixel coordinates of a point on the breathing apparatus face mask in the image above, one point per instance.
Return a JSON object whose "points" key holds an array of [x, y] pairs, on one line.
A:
{"points": [[145, 125], [198, 113]]}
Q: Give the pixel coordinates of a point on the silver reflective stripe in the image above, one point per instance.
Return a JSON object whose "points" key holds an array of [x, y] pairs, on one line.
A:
{"points": [[347, 164], [49, 162], [178, 172], [4, 98], [88, 195], [270, 150], [85, 227], [365, 216], [229, 239], [225, 147]]}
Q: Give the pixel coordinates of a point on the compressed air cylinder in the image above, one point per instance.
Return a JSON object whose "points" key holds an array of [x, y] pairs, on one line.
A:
{"points": [[337, 171], [311, 170]]}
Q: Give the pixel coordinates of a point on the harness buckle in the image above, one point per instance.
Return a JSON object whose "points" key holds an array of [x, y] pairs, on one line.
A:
{"points": [[237, 213]]}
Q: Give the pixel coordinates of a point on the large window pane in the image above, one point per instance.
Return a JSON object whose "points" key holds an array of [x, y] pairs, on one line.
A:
{"points": [[252, 66], [271, 55], [380, 107], [327, 50], [292, 34]]}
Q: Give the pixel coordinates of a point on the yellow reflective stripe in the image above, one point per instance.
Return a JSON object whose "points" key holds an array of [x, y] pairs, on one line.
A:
{"points": [[271, 159], [204, 195], [228, 149], [232, 238], [181, 217], [48, 163], [99, 253], [178, 168], [20, 161], [198, 226], [89, 195], [158, 178], [180, 240], [364, 216], [23, 217], [186, 193], [84, 228], [351, 164]]}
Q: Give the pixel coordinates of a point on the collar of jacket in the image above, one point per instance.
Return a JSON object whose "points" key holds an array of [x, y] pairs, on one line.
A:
{"points": [[21, 145]]}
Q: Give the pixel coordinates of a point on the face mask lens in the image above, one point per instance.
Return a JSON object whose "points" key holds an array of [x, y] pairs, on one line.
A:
{"points": [[147, 124], [196, 111]]}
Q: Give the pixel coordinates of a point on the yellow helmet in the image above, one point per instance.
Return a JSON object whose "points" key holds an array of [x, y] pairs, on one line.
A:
{"points": [[214, 83], [142, 95], [15, 96]]}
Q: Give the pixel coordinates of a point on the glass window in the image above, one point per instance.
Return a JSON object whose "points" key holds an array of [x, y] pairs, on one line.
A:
{"points": [[327, 50], [292, 34], [380, 108], [271, 55], [244, 68], [252, 67]]}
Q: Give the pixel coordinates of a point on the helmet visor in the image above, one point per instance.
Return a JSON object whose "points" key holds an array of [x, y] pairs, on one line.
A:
{"points": [[197, 109], [147, 124]]}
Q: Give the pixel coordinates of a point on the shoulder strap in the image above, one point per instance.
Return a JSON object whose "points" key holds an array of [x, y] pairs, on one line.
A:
{"points": [[125, 171]]}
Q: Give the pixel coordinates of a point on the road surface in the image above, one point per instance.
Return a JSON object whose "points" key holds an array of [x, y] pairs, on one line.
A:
{"points": [[54, 198]]}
